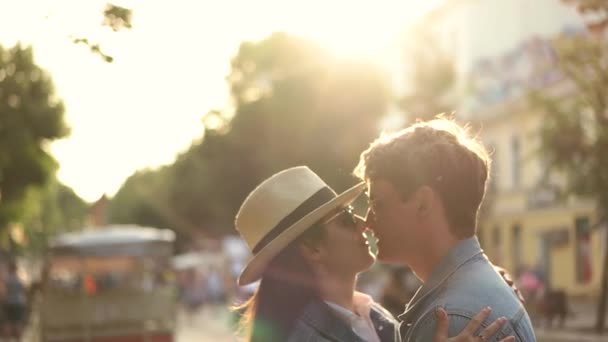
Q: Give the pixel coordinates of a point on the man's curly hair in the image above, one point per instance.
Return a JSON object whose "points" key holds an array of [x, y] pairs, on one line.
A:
{"points": [[440, 154]]}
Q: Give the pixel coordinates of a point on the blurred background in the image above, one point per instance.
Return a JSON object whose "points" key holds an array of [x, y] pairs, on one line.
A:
{"points": [[120, 115]]}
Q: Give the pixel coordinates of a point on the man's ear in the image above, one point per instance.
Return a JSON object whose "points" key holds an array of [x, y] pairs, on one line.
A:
{"points": [[424, 200]]}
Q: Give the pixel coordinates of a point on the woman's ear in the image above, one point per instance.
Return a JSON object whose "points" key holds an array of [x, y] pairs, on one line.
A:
{"points": [[311, 252]]}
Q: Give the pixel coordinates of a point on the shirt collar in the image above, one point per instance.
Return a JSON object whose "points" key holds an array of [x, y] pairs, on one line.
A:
{"points": [[460, 254], [359, 319], [361, 306]]}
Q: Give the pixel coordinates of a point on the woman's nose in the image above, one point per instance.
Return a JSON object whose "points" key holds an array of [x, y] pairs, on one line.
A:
{"points": [[369, 217]]}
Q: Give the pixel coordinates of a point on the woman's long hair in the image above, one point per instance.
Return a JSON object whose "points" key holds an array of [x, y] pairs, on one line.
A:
{"points": [[286, 288]]}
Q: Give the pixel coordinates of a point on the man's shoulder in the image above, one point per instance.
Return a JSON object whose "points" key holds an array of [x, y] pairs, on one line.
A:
{"points": [[476, 285], [479, 274]]}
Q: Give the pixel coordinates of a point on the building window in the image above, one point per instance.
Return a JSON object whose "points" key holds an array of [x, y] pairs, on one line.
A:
{"points": [[584, 269], [516, 248], [515, 161]]}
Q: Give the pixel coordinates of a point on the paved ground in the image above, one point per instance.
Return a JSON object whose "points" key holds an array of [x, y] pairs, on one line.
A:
{"points": [[582, 318], [558, 335], [211, 324]]}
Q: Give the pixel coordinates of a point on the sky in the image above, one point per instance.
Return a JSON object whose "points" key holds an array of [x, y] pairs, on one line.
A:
{"points": [[169, 70]]}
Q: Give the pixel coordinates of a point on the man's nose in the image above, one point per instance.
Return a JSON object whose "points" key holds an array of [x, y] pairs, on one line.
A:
{"points": [[361, 224]]}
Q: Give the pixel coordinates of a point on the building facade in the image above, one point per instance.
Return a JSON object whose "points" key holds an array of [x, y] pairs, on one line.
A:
{"points": [[502, 50]]}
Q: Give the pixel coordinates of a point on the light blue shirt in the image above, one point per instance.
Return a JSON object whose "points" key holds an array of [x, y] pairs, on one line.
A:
{"points": [[463, 284]]}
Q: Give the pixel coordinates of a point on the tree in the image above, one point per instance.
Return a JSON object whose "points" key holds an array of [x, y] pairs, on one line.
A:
{"points": [[51, 209], [431, 73], [142, 200], [596, 24], [294, 104], [31, 116], [575, 131], [116, 18]]}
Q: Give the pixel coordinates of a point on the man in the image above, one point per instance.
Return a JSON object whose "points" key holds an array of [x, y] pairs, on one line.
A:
{"points": [[425, 186]]}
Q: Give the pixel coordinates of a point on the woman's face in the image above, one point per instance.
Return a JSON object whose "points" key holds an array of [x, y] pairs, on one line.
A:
{"points": [[344, 248]]}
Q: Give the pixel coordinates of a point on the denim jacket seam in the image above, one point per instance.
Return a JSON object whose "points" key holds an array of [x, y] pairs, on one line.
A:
{"points": [[516, 322], [443, 282], [466, 315]]}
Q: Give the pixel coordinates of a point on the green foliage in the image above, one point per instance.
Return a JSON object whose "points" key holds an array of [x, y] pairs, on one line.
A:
{"points": [[295, 104], [94, 47], [432, 74], [575, 131], [52, 209], [31, 117], [599, 9], [117, 17], [142, 200]]}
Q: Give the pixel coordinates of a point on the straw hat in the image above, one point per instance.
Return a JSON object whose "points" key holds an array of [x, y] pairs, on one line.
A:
{"points": [[281, 209]]}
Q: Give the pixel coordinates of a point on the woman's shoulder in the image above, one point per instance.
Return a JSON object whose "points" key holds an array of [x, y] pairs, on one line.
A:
{"points": [[304, 331], [319, 323]]}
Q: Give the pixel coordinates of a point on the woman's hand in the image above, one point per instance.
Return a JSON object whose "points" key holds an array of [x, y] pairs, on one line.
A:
{"points": [[468, 334]]}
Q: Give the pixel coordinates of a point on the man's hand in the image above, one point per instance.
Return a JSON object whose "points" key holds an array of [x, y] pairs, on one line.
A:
{"points": [[509, 280]]}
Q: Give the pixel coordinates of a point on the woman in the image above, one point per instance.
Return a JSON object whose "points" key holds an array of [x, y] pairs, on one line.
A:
{"points": [[308, 248]]}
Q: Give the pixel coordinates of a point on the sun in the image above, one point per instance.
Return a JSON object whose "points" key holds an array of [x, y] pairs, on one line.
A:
{"points": [[370, 29]]}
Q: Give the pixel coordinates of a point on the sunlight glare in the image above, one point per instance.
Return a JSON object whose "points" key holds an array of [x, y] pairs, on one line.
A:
{"points": [[170, 69], [358, 28]]}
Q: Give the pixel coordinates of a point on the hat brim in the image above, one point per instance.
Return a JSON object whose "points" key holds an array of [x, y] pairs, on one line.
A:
{"points": [[255, 267]]}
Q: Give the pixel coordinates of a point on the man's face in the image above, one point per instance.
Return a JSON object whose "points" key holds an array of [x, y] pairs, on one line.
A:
{"points": [[393, 221], [345, 249]]}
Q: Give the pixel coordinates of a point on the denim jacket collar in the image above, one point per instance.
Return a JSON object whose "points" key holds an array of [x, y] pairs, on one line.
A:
{"points": [[322, 318], [460, 254]]}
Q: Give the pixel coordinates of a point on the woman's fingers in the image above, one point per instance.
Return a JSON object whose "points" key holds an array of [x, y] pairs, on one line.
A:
{"points": [[441, 331], [468, 334], [476, 322], [493, 328]]}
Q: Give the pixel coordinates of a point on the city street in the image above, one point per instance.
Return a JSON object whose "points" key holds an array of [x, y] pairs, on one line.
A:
{"points": [[210, 324]]}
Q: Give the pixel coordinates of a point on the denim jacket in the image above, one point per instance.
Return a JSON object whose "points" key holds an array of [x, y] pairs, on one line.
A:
{"points": [[319, 323], [463, 284]]}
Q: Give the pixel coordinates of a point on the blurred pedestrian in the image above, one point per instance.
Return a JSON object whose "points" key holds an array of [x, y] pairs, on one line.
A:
{"points": [[15, 303], [193, 293], [215, 285], [530, 284], [308, 248]]}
